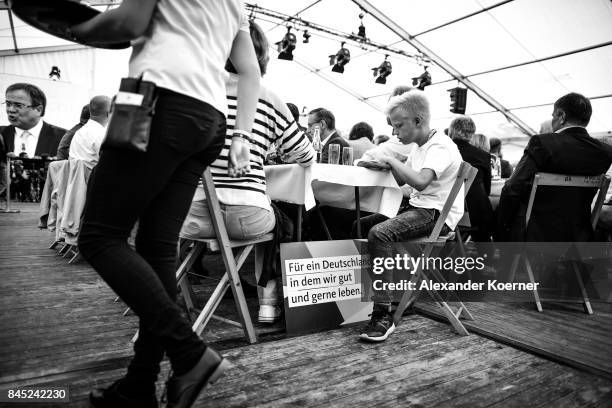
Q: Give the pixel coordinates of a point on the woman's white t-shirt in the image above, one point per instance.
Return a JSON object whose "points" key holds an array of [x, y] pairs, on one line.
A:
{"points": [[186, 46]]}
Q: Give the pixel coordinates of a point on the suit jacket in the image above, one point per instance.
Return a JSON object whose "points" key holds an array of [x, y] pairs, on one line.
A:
{"points": [[48, 140], [506, 169], [477, 199], [334, 139], [558, 214]]}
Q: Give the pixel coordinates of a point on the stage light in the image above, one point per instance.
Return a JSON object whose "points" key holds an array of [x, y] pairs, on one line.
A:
{"points": [[306, 36], [55, 73], [382, 71], [458, 100], [361, 31], [340, 59], [286, 46], [422, 80]]}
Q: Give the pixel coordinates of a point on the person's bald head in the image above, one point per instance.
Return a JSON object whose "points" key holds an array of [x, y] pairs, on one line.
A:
{"points": [[99, 108]]}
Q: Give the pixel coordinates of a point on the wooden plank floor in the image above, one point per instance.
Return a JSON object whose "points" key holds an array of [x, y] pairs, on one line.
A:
{"points": [[60, 326], [562, 332]]}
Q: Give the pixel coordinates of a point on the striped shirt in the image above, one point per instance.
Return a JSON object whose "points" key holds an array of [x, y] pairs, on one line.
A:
{"points": [[274, 125]]}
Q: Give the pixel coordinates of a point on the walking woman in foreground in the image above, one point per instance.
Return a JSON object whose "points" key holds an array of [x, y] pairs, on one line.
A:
{"points": [[181, 46]]}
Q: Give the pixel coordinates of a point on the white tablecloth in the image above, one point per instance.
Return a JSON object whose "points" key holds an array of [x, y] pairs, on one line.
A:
{"points": [[333, 185]]}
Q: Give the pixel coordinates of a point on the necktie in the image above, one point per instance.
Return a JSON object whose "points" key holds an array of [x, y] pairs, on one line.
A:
{"points": [[24, 141]]}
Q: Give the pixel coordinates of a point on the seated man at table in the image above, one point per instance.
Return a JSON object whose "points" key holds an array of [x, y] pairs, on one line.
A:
{"points": [[85, 144], [461, 131], [558, 215], [245, 206], [325, 121], [431, 170]]}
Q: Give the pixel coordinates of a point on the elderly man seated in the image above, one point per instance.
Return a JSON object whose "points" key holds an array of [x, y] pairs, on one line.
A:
{"points": [[431, 170]]}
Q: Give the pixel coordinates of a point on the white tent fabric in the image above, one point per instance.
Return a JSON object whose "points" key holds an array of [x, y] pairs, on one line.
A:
{"points": [[514, 32]]}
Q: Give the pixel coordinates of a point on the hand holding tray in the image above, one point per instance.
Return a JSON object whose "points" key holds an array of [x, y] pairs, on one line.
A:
{"points": [[55, 17]]}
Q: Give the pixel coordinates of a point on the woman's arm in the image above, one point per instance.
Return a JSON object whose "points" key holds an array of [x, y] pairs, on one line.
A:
{"points": [[244, 60], [124, 23]]}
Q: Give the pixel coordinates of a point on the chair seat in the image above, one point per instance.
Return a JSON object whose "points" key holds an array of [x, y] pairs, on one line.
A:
{"points": [[213, 243]]}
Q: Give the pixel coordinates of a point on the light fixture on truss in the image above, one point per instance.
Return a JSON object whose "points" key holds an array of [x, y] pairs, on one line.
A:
{"points": [[422, 80], [382, 71], [340, 59], [55, 73], [286, 46], [361, 31]]}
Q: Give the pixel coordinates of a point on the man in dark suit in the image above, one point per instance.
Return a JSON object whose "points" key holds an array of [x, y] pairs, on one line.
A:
{"points": [[27, 135], [558, 215], [27, 132], [338, 220], [326, 122], [479, 207]]}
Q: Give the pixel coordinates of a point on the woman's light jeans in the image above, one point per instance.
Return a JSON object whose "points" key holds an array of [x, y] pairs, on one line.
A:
{"points": [[242, 222]]}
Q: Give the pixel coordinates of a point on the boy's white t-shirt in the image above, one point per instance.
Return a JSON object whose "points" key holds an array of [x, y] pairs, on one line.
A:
{"points": [[186, 46], [441, 155]]}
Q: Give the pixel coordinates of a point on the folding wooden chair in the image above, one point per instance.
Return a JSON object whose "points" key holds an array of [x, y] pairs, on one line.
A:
{"points": [[601, 183], [233, 262], [432, 246]]}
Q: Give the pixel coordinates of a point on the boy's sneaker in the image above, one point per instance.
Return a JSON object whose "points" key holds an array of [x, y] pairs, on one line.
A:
{"points": [[269, 314], [379, 328]]}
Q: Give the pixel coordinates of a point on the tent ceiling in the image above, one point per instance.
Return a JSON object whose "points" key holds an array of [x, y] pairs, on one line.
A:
{"points": [[510, 32]]}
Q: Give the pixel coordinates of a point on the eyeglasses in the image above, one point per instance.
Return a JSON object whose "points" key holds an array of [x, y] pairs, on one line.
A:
{"points": [[16, 105]]}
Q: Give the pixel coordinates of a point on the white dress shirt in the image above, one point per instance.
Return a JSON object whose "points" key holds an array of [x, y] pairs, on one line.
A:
{"points": [[26, 140], [85, 144]]}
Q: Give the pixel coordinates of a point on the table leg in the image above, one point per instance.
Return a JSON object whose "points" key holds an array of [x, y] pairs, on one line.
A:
{"points": [[298, 229], [357, 212], [323, 223]]}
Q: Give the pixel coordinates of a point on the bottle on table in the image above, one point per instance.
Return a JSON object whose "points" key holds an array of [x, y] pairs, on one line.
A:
{"points": [[316, 143]]}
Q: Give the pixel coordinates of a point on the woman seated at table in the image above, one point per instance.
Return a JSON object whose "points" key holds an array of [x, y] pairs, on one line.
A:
{"points": [[431, 170], [245, 206]]}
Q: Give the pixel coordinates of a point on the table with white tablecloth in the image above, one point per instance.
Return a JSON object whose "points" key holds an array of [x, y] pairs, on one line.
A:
{"points": [[334, 185]]}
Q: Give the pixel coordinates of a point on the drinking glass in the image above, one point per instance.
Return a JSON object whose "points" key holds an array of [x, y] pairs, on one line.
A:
{"points": [[334, 154], [347, 156]]}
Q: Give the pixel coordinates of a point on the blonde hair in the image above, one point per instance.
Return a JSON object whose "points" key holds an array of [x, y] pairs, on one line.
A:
{"points": [[481, 141], [413, 101]]}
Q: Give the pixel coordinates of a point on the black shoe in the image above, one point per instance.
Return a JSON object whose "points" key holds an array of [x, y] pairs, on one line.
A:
{"points": [[182, 390], [111, 398], [379, 328]]}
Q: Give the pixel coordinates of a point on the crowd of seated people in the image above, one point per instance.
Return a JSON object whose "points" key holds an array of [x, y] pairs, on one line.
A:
{"points": [[423, 161]]}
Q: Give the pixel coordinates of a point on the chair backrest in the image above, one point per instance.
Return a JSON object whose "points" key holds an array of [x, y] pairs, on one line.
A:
{"points": [[215, 210], [465, 178], [601, 183]]}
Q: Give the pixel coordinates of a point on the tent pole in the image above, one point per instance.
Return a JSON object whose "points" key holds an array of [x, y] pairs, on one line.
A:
{"points": [[393, 26], [10, 16]]}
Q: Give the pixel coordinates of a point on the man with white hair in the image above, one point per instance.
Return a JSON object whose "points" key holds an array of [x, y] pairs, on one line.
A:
{"points": [[431, 170]]}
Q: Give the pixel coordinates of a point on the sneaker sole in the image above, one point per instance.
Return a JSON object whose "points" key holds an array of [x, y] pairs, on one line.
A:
{"points": [[268, 319], [365, 337]]}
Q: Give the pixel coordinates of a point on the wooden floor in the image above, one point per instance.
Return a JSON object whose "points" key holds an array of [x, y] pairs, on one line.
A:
{"points": [[60, 326]]}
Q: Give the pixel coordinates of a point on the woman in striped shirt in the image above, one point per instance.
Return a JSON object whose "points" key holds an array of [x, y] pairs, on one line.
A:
{"points": [[244, 204]]}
